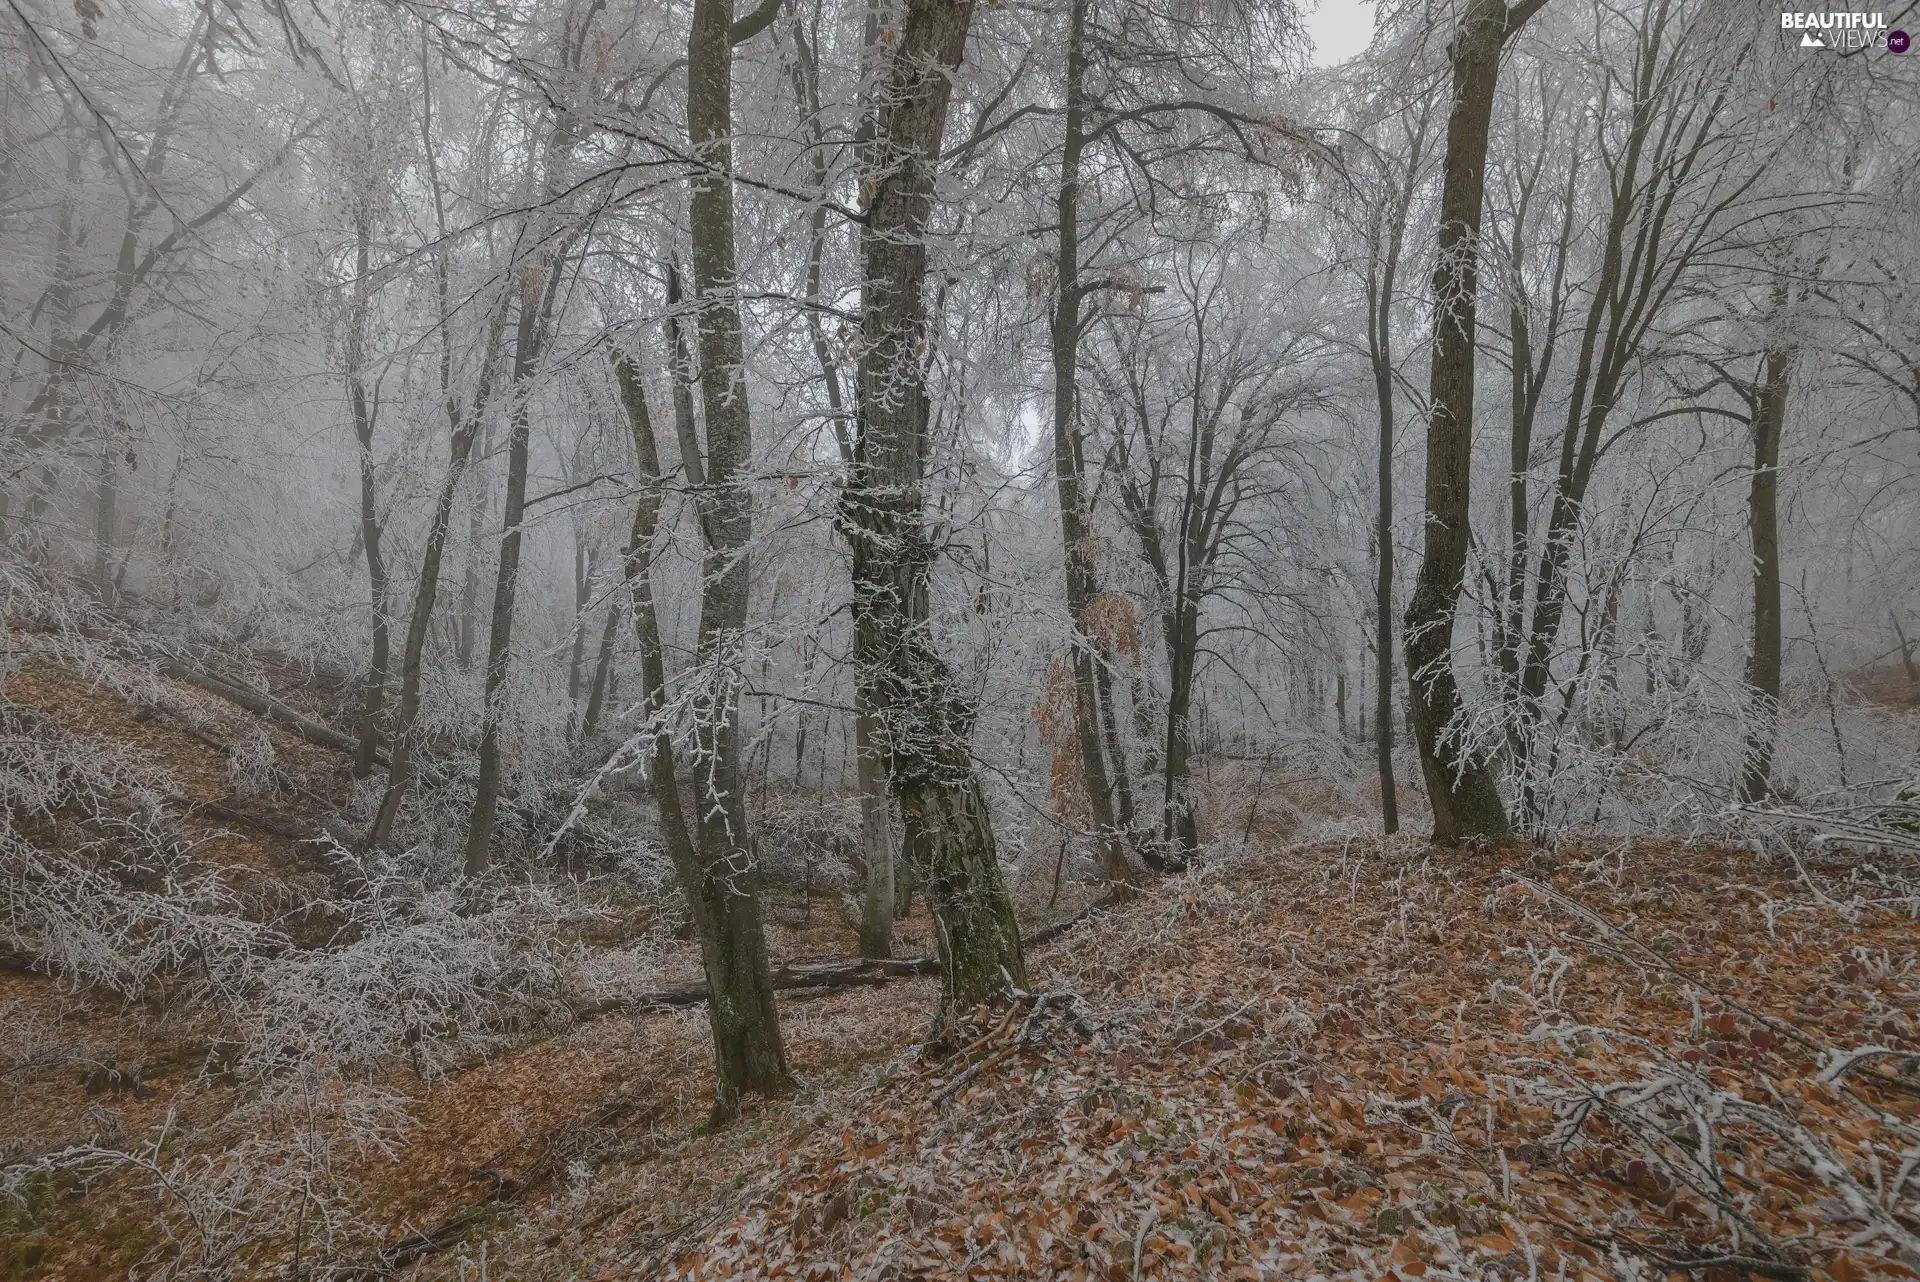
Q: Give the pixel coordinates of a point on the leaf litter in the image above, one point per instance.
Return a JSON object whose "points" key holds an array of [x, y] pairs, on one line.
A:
{"points": [[1648, 1060]]}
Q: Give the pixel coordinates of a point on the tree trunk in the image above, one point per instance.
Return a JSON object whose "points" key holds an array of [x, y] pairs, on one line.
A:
{"points": [[749, 1055], [876, 837], [1124, 816], [883, 884], [1466, 801], [526, 356], [467, 633], [105, 520], [1380, 352], [1644, 254], [374, 692], [746, 1032], [1180, 829], [1763, 525], [602, 670], [583, 568], [925, 721], [1906, 647], [400, 748], [1069, 467], [465, 427]]}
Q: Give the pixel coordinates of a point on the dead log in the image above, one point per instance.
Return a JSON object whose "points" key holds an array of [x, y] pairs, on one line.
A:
{"points": [[854, 974], [263, 704]]}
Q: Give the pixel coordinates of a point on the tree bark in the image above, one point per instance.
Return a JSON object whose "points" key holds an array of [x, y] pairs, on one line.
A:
{"points": [[602, 670], [1124, 815], [374, 690], [748, 1051], [749, 1055], [1466, 801], [878, 900], [584, 564], [1383, 628], [1905, 646], [467, 632], [465, 425], [1069, 466], [1381, 279], [1763, 526], [526, 358], [1180, 828], [876, 837], [925, 721]]}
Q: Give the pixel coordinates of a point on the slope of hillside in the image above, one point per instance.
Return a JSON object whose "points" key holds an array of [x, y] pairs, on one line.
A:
{"points": [[1638, 1061], [1351, 1059]]}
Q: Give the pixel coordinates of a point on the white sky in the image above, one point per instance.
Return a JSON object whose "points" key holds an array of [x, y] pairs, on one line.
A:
{"points": [[1340, 29]]}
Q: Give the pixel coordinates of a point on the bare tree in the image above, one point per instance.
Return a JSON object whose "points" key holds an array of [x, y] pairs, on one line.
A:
{"points": [[925, 722], [1386, 243], [749, 1056], [464, 419], [1195, 432], [1460, 785], [746, 1031], [366, 411]]}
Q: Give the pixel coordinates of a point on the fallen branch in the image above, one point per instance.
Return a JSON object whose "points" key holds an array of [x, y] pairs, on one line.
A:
{"points": [[1047, 934], [786, 979], [263, 704], [865, 972], [275, 825], [1042, 1002], [1833, 827]]}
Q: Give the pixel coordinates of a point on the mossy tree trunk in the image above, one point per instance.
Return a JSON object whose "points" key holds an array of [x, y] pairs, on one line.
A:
{"points": [[924, 721]]}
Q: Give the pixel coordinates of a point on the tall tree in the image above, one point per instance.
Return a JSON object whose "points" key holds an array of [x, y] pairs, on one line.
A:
{"points": [[535, 305], [464, 418], [1683, 169], [724, 876], [1767, 406], [365, 407], [749, 1055], [1386, 242], [1460, 784], [1077, 537], [1198, 397], [925, 721], [548, 245], [870, 774]]}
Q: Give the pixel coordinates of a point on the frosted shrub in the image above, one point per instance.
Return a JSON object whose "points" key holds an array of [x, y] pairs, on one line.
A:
{"points": [[250, 764], [95, 885], [97, 889], [271, 1183], [430, 970]]}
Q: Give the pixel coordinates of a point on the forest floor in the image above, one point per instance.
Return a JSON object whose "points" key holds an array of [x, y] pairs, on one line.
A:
{"points": [[1344, 1060], [1359, 1059]]}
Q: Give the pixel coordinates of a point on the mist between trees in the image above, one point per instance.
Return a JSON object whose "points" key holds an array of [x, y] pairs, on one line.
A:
{"points": [[939, 450]]}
